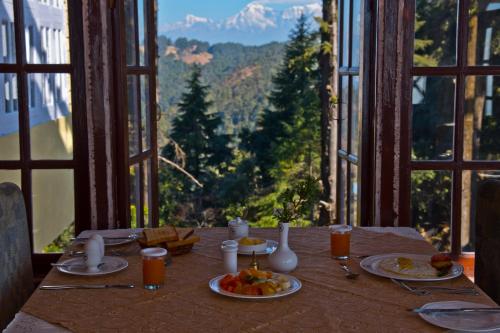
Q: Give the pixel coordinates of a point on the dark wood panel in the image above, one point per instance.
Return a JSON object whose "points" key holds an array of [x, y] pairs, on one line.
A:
{"points": [[406, 118], [79, 104], [388, 92], [37, 68], [453, 70], [121, 118], [153, 63], [451, 165], [367, 103], [99, 134]]}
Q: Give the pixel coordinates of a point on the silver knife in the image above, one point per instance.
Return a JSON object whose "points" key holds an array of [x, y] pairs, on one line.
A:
{"points": [[132, 236], [468, 310], [86, 286]]}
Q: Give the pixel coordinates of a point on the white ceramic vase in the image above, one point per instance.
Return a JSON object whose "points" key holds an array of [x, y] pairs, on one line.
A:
{"points": [[283, 260]]}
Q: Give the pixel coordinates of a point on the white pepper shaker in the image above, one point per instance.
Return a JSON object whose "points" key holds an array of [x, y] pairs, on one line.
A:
{"points": [[229, 250]]}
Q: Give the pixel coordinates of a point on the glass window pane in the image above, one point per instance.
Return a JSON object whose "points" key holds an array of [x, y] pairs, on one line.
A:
{"points": [[484, 32], [11, 176], [145, 113], [7, 33], [51, 121], [53, 209], [354, 195], [482, 118], [9, 118], [342, 215], [130, 33], [46, 32], [147, 193], [133, 126], [344, 100], [433, 117], [135, 203], [356, 29], [435, 33], [471, 182], [431, 206], [143, 32], [345, 34], [355, 116]]}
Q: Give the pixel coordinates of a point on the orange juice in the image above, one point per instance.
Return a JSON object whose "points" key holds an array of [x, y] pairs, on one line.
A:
{"points": [[340, 241], [153, 271], [340, 244], [153, 267]]}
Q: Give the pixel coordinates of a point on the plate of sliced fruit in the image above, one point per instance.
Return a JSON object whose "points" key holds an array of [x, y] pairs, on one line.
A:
{"points": [[413, 267], [255, 284]]}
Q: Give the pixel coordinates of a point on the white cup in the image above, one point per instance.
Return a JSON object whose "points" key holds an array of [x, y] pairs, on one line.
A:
{"points": [[100, 240], [92, 255]]}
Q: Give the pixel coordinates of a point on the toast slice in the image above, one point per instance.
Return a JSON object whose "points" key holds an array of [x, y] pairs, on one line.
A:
{"points": [[156, 236]]}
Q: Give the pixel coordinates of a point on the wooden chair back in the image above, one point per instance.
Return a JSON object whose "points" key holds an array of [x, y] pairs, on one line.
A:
{"points": [[16, 274], [487, 262]]}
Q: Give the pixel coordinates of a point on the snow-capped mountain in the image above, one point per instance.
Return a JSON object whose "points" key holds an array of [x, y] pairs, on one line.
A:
{"points": [[255, 24], [253, 16]]}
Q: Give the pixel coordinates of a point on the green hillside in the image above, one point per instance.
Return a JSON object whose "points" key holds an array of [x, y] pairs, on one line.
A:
{"points": [[240, 79]]}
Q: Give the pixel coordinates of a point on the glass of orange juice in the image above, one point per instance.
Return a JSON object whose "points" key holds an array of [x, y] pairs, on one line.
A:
{"points": [[340, 240], [153, 267]]}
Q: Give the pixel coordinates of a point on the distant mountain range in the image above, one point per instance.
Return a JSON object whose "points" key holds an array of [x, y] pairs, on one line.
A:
{"points": [[255, 24]]}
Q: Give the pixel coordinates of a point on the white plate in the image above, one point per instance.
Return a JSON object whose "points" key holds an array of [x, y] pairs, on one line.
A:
{"points": [[371, 265], [295, 286], [271, 247], [76, 266], [470, 322], [111, 241]]}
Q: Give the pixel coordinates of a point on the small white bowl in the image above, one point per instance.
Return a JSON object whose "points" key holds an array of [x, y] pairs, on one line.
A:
{"points": [[250, 248]]}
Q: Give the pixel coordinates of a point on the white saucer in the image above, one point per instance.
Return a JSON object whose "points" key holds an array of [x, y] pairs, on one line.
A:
{"points": [[470, 322], [76, 266], [271, 247]]}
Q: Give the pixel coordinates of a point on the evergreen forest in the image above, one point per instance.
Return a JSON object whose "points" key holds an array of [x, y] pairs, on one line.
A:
{"points": [[244, 125]]}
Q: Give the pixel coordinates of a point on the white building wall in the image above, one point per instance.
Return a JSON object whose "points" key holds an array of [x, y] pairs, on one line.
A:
{"points": [[46, 42]]}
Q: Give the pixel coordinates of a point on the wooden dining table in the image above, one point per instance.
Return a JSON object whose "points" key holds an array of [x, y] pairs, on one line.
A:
{"points": [[327, 302]]}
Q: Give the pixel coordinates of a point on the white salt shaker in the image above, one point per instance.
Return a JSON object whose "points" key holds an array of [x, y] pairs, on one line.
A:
{"points": [[238, 228], [100, 240], [92, 255], [229, 250]]}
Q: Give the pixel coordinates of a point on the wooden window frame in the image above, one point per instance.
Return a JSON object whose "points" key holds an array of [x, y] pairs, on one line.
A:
{"points": [[457, 165], [79, 163], [365, 73], [121, 71]]}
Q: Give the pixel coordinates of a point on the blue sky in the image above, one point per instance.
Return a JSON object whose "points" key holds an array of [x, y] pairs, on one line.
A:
{"points": [[171, 11], [175, 10]]}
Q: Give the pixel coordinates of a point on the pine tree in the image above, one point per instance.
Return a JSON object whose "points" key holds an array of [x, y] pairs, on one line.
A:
{"points": [[195, 129], [289, 131]]}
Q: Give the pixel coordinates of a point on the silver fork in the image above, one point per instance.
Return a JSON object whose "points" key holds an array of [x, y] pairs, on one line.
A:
{"points": [[415, 291], [427, 290], [465, 291]]}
